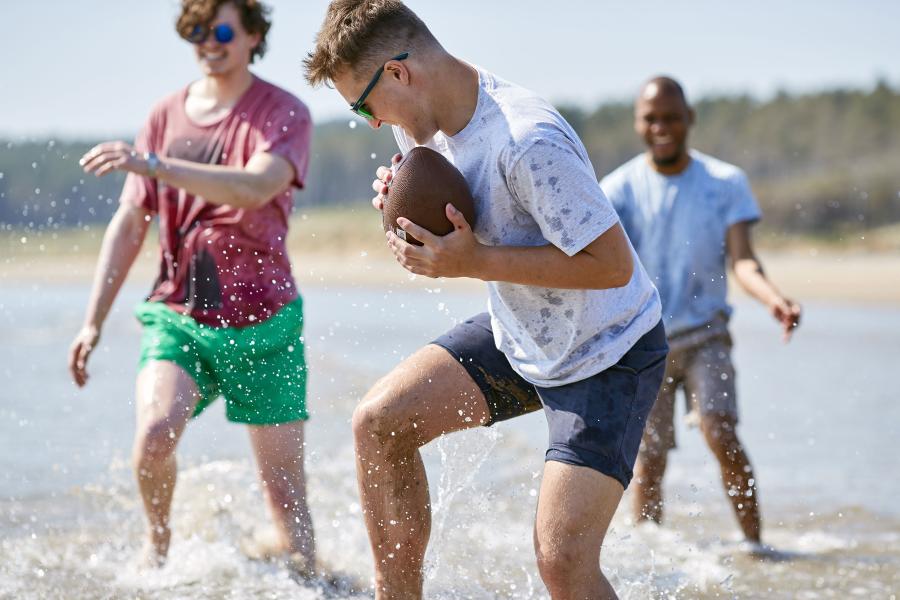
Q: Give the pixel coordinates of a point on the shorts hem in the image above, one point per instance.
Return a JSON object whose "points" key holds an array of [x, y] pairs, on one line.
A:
{"points": [[581, 457], [477, 379], [268, 420], [205, 389]]}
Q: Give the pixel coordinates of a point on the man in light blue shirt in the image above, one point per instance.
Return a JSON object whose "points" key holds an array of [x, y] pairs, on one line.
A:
{"points": [[685, 212]]}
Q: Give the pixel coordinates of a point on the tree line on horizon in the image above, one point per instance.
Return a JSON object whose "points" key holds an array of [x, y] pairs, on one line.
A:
{"points": [[825, 163]]}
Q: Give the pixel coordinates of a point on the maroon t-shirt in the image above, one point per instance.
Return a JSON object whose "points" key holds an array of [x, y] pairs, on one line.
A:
{"points": [[224, 266]]}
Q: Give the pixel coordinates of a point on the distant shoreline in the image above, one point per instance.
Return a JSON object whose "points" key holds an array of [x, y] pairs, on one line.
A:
{"points": [[345, 247]]}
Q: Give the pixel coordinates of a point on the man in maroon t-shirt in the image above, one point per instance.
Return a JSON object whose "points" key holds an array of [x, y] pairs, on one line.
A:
{"points": [[215, 162]]}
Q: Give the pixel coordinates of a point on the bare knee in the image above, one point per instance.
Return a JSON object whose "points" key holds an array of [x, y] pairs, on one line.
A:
{"points": [[154, 444], [567, 551], [564, 566], [557, 568], [381, 421], [373, 420]]}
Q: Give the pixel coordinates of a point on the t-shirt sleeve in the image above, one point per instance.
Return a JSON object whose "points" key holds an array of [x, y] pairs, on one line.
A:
{"points": [[140, 191], [743, 206], [614, 190], [559, 190], [287, 133]]}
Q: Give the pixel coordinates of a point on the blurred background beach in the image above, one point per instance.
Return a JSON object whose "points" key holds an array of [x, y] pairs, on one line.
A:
{"points": [[806, 101]]}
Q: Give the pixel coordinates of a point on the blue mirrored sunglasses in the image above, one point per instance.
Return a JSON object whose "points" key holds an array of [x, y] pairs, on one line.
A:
{"points": [[223, 33]]}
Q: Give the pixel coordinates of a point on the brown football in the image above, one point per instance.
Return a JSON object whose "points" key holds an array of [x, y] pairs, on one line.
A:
{"points": [[424, 182]]}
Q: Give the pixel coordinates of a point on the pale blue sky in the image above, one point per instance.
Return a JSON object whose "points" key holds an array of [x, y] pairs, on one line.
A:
{"points": [[94, 67]]}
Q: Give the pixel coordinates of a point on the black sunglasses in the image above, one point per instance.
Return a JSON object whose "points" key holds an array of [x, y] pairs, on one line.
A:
{"points": [[359, 107]]}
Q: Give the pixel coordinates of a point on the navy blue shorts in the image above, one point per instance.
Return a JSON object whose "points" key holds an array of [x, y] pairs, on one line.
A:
{"points": [[596, 422]]}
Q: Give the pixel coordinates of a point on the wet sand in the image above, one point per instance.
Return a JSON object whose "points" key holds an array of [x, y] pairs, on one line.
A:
{"points": [[346, 247]]}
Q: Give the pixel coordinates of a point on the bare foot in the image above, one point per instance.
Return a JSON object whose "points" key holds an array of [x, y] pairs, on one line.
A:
{"points": [[265, 544], [299, 567], [322, 577], [156, 548], [764, 552]]}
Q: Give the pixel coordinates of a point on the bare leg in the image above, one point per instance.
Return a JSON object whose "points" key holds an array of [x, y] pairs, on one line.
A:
{"points": [[647, 485], [279, 458], [737, 473], [658, 439], [166, 397], [575, 507], [427, 395]]}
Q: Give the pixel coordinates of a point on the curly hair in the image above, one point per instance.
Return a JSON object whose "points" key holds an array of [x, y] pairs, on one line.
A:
{"points": [[254, 18], [361, 35]]}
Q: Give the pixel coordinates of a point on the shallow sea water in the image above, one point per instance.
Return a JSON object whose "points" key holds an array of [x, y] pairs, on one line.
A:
{"points": [[820, 418]]}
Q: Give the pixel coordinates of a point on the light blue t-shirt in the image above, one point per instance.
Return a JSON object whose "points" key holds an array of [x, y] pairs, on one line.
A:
{"points": [[534, 185], [678, 226]]}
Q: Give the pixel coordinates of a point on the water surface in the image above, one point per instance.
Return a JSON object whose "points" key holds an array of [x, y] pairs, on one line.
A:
{"points": [[819, 416]]}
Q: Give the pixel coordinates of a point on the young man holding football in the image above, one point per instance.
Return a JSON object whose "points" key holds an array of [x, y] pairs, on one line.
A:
{"points": [[573, 321]]}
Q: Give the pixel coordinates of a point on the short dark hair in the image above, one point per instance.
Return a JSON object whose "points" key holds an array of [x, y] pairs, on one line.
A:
{"points": [[254, 18], [669, 85], [362, 35]]}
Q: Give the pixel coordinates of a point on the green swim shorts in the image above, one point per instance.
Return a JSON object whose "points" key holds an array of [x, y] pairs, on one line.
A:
{"points": [[260, 370]]}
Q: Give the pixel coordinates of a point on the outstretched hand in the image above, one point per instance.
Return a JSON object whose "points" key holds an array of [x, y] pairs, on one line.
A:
{"points": [[787, 313], [112, 156], [80, 351], [453, 255]]}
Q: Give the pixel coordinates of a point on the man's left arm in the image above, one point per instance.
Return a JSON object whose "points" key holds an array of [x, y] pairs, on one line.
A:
{"points": [[587, 247], [604, 263], [262, 178], [749, 273]]}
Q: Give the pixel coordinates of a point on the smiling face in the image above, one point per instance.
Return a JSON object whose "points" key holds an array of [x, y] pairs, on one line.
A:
{"points": [[217, 59], [663, 119]]}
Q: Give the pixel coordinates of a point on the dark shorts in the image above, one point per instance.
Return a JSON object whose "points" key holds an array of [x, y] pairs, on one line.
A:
{"points": [[596, 422]]}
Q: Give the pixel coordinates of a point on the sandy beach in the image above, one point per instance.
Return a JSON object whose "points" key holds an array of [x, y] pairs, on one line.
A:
{"points": [[346, 247]]}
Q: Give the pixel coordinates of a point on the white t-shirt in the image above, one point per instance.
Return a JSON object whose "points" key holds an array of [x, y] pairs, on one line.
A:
{"points": [[533, 184]]}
